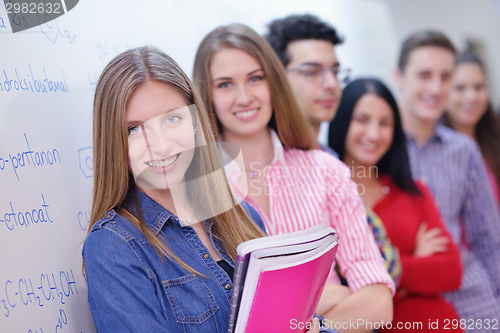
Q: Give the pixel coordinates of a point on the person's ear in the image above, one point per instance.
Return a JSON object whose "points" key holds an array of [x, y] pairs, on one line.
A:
{"points": [[398, 78]]}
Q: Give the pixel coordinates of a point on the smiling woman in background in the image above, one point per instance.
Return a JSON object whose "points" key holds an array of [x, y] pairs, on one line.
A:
{"points": [[367, 134], [290, 183], [470, 111]]}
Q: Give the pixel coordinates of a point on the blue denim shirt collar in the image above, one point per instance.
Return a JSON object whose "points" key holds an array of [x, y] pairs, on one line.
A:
{"points": [[119, 260], [154, 214]]}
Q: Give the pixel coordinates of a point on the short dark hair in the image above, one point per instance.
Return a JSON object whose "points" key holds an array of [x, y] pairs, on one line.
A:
{"points": [[420, 39], [395, 162], [298, 27]]}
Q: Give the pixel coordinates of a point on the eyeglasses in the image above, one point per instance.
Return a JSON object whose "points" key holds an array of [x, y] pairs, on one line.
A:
{"points": [[315, 73]]}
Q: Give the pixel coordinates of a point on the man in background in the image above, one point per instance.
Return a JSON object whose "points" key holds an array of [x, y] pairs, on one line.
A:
{"points": [[306, 47], [451, 165]]}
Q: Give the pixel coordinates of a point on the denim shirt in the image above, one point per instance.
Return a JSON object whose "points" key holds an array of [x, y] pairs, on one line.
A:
{"points": [[132, 289]]}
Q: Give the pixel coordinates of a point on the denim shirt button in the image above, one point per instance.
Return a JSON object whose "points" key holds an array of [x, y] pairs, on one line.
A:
{"points": [[206, 256], [227, 286], [108, 216], [222, 251]]}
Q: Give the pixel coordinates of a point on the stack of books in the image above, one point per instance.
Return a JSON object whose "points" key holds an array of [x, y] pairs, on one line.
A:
{"points": [[278, 280]]}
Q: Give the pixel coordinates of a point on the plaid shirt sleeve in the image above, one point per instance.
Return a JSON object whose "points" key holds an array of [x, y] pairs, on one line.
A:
{"points": [[481, 218]]}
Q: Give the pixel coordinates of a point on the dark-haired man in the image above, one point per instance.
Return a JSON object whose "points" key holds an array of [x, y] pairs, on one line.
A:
{"points": [[452, 167], [305, 46]]}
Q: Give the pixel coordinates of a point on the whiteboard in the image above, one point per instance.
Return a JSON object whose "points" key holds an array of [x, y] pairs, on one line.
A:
{"points": [[47, 79]]}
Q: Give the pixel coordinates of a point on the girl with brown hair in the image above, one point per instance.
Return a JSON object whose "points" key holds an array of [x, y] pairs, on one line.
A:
{"points": [[368, 134], [291, 184], [470, 111], [150, 267]]}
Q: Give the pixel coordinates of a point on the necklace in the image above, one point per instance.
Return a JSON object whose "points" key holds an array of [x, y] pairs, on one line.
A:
{"points": [[253, 174], [187, 222], [385, 190]]}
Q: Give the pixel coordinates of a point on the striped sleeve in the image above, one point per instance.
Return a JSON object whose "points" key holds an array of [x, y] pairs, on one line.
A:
{"points": [[358, 257]]}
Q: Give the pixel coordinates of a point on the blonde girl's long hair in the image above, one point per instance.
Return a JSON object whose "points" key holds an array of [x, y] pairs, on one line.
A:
{"points": [[288, 120], [113, 181]]}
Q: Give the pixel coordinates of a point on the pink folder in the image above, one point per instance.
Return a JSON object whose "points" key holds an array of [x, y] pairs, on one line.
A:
{"points": [[289, 294], [279, 280]]}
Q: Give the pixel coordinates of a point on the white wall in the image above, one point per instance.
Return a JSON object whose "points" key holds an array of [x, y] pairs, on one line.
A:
{"points": [[460, 20], [375, 29]]}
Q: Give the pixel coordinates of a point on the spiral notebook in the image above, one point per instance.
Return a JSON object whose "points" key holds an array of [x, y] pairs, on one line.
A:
{"points": [[279, 280]]}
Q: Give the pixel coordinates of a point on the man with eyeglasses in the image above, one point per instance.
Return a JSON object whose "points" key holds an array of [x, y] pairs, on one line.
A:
{"points": [[305, 46]]}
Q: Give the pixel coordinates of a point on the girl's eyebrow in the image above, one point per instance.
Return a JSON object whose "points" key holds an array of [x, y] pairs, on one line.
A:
{"points": [[222, 78], [134, 122], [228, 78], [255, 71]]}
